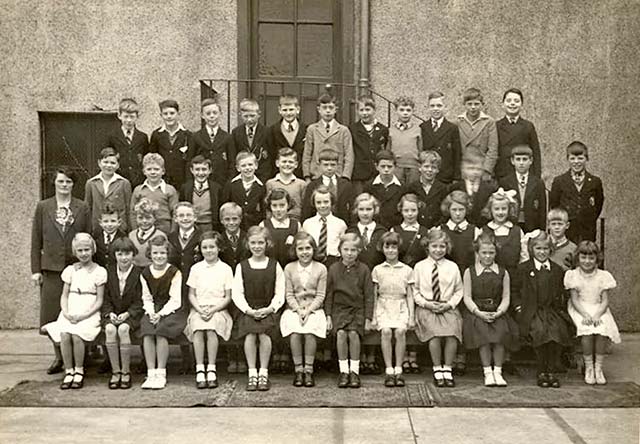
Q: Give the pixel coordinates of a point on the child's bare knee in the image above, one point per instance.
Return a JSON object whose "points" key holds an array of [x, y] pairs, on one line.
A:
{"points": [[110, 332], [400, 332], [385, 333]]}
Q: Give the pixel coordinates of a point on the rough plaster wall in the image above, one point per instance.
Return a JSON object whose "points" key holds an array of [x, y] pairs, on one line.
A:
{"points": [[71, 55], [577, 63]]}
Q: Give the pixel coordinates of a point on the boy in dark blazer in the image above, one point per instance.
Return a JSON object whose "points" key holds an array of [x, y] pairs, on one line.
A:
{"points": [[340, 187], [108, 231], [214, 143], [288, 132], [580, 193], [204, 193], [131, 143], [386, 187], [368, 137], [251, 136], [429, 190], [513, 131], [173, 142], [443, 137], [246, 190], [530, 188]]}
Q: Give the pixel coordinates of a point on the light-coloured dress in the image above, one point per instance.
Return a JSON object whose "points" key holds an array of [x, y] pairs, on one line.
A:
{"points": [[304, 287], [83, 292], [392, 310], [590, 288], [210, 281]]}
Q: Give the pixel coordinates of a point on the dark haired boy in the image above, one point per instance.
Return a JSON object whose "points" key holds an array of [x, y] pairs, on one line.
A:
{"points": [[442, 136], [109, 229], [288, 132], [580, 193], [204, 193], [386, 187], [251, 136], [214, 143]]}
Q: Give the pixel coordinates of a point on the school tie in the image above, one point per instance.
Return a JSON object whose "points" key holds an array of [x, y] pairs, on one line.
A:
{"points": [[332, 188], [108, 238], [435, 283], [250, 135], [129, 137], [212, 136], [458, 229], [402, 126], [523, 182], [365, 237], [234, 241], [328, 127], [322, 241], [290, 128], [434, 125]]}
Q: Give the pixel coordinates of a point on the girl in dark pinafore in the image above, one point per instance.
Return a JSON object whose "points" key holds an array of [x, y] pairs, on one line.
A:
{"points": [[258, 292]]}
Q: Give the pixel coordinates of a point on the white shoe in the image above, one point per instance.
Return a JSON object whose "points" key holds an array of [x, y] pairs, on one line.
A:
{"points": [[600, 379], [489, 379], [160, 382], [500, 381], [589, 375], [149, 382]]}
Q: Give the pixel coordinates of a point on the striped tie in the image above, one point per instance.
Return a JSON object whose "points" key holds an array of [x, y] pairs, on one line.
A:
{"points": [[365, 237], [435, 283], [322, 242]]}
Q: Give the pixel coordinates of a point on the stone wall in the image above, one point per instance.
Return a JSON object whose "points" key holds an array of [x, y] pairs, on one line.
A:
{"points": [[577, 63], [74, 55]]}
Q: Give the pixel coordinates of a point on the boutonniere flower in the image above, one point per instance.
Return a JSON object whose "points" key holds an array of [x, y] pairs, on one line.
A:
{"points": [[532, 274], [64, 216]]}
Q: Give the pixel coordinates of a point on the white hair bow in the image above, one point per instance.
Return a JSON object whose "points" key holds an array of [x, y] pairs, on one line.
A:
{"points": [[510, 195]]}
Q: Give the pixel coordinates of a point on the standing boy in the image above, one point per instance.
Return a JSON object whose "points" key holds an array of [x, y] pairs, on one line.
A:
{"points": [[513, 130], [405, 141], [340, 188], [129, 142], [478, 133], [172, 142], [214, 143], [429, 189], [109, 230], [386, 187], [288, 131], [563, 249], [327, 134], [204, 193], [287, 163], [442, 136], [369, 137], [532, 194], [156, 190], [246, 190], [108, 187], [579, 193], [251, 136]]}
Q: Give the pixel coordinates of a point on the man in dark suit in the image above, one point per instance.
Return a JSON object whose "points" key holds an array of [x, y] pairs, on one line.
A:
{"points": [[251, 136], [215, 144], [532, 196], [442, 136], [129, 142], [288, 131], [580, 193], [513, 130]]}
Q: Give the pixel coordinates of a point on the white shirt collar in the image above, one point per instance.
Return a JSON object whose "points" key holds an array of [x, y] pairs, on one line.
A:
{"points": [[123, 275], [438, 121], [212, 131], [306, 269], [162, 185], [144, 234], [106, 183], [124, 131], [482, 116], [514, 119], [277, 224], [255, 179], [462, 225], [323, 124], [178, 128], [187, 233], [480, 268], [285, 126], [394, 181], [328, 180], [539, 264], [397, 264], [370, 227], [413, 227], [438, 262], [279, 178], [494, 226], [522, 176]]}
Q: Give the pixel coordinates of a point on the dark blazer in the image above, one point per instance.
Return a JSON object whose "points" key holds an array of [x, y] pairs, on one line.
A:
{"points": [[103, 256], [344, 201], [429, 215], [365, 148], [259, 147], [509, 135], [184, 259], [370, 255], [478, 201], [446, 142], [215, 190], [584, 206], [50, 245], [130, 154], [277, 140], [535, 200], [252, 203], [220, 152], [525, 293], [230, 256], [129, 301], [389, 198], [176, 162]]}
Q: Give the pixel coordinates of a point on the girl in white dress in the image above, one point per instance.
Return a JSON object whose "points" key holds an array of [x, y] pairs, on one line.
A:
{"points": [[210, 282], [79, 318], [589, 309], [306, 283]]}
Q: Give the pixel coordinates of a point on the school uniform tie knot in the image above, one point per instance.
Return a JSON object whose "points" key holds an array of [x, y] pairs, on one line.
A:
{"points": [[458, 228], [327, 126], [129, 137], [290, 128], [365, 237], [234, 240], [434, 125]]}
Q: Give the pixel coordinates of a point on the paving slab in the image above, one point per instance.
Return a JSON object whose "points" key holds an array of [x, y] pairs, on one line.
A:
{"points": [[603, 426]]}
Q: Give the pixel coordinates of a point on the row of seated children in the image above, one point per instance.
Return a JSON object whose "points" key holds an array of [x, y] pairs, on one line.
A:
{"points": [[350, 303]]}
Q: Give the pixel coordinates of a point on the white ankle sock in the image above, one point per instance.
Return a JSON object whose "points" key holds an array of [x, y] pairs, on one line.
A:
{"points": [[354, 366], [253, 372], [388, 371], [343, 365], [397, 370]]}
